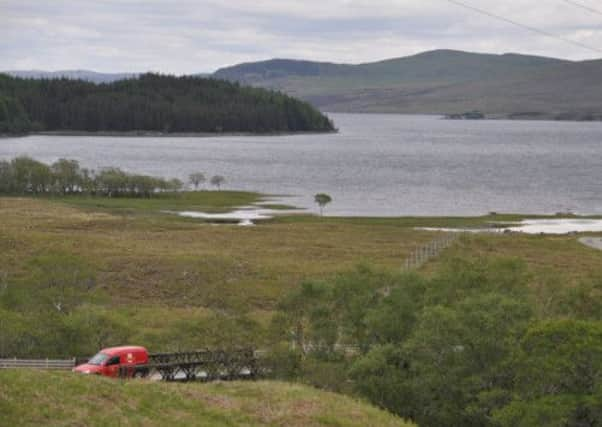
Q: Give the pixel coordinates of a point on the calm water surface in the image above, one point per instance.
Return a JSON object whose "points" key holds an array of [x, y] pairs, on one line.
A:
{"points": [[378, 165]]}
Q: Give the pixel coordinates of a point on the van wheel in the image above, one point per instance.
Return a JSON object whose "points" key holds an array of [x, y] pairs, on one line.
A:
{"points": [[139, 374]]}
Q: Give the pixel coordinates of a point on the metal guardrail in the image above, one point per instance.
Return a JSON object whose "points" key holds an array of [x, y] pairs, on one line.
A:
{"points": [[50, 364]]}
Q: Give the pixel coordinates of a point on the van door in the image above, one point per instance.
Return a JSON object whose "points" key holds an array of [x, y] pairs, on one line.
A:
{"points": [[141, 358], [112, 366]]}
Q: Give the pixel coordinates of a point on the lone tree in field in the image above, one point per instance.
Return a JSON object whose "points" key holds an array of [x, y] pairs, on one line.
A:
{"points": [[322, 200], [196, 179], [217, 181]]}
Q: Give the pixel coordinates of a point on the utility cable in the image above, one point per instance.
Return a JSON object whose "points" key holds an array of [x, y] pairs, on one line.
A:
{"points": [[584, 7], [524, 26]]}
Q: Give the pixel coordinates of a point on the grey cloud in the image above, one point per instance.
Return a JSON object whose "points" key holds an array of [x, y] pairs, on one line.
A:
{"points": [[187, 36]]}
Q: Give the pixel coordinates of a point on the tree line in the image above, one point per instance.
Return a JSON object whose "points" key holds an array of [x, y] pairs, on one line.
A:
{"points": [[26, 176], [152, 102]]}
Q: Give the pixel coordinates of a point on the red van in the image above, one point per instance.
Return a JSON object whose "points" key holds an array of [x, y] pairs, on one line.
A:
{"points": [[108, 361]]}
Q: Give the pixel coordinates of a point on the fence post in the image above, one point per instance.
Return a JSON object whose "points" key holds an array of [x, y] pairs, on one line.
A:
{"points": [[422, 254]]}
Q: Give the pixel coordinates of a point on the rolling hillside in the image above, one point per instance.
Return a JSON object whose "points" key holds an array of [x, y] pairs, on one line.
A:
{"points": [[436, 82], [439, 82], [29, 398]]}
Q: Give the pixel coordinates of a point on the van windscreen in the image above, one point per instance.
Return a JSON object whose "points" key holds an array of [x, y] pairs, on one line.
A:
{"points": [[99, 359]]}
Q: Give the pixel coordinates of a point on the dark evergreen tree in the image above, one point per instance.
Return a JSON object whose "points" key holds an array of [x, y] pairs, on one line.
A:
{"points": [[153, 102]]}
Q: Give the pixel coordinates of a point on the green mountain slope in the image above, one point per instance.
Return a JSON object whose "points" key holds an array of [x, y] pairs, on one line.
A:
{"points": [[438, 82], [29, 398]]}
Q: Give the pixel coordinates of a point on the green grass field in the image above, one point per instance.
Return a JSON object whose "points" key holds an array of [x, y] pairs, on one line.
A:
{"points": [[30, 398]]}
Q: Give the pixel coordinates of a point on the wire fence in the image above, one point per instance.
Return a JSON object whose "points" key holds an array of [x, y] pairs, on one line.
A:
{"points": [[422, 254]]}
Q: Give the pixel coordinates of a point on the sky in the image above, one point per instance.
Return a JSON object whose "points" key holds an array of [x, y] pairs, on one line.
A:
{"points": [[195, 36]]}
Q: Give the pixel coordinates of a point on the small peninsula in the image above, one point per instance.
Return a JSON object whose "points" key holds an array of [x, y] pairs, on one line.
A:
{"points": [[151, 103]]}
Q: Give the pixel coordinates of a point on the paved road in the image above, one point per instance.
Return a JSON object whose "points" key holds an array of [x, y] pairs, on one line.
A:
{"points": [[592, 242]]}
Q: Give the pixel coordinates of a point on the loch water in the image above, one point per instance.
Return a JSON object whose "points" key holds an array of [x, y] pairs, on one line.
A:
{"points": [[376, 165]]}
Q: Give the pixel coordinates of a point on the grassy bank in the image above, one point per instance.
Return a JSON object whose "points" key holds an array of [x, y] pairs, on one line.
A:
{"points": [[30, 398], [205, 201]]}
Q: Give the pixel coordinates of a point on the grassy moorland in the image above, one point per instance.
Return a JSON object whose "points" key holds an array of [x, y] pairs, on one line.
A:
{"points": [[160, 272], [162, 259], [57, 399], [143, 261]]}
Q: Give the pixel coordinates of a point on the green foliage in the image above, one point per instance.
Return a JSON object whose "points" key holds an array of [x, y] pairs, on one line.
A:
{"points": [[552, 411], [67, 175], [382, 376], [24, 176], [462, 347], [151, 102], [558, 379], [13, 118], [395, 317], [303, 309], [322, 200]]}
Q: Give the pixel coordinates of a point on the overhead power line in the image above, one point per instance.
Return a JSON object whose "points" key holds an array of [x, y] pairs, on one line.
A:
{"points": [[584, 7], [524, 26]]}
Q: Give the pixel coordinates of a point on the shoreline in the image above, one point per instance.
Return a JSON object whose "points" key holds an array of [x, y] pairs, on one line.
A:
{"points": [[511, 117], [154, 134], [527, 117]]}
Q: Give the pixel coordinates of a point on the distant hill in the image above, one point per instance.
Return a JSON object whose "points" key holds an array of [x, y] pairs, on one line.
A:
{"points": [[151, 103], [438, 82], [76, 400], [89, 76]]}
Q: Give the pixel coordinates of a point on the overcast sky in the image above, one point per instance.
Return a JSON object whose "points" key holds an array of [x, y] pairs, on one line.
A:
{"points": [[190, 36]]}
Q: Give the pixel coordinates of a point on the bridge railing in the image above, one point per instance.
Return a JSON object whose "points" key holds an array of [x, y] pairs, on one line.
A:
{"points": [[204, 365]]}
